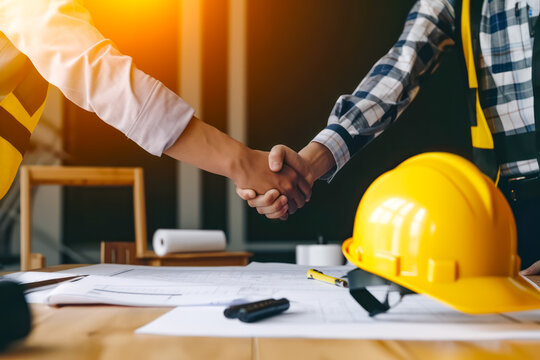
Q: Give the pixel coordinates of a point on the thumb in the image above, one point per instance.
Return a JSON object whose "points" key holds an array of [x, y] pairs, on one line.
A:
{"points": [[277, 157], [532, 270], [295, 161]]}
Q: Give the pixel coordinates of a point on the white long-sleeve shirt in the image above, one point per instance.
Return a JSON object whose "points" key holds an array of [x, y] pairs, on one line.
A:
{"points": [[69, 52]]}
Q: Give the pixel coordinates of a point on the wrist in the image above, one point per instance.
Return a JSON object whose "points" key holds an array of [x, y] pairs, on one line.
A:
{"points": [[319, 158], [237, 168]]}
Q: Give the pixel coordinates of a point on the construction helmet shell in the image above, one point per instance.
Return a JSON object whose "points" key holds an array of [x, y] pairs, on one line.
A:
{"points": [[438, 226]]}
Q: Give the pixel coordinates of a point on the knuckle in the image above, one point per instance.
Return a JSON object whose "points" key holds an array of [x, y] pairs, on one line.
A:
{"points": [[268, 197], [288, 187], [276, 206]]}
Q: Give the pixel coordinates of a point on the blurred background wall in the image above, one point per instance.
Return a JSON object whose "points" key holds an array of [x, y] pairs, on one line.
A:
{"points": [[298, 57]]}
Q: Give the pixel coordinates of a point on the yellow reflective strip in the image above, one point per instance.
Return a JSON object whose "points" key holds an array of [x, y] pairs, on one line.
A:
{"points": [[10, 159], [466, 39], [15, 108], [481, 134]]}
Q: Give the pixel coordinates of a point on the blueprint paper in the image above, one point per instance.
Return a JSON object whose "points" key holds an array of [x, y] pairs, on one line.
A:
{"points": [[117, 291], [173, 286], [416, 318]]}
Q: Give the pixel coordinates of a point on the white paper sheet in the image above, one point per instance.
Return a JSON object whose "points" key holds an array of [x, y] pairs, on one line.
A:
{"points": [[145, 285], [95, 289], [37, 295], [340, 317], [26, 277]]}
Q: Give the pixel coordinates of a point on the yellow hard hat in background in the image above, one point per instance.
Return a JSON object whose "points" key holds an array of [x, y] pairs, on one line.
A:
{"points": [[438, 226]]}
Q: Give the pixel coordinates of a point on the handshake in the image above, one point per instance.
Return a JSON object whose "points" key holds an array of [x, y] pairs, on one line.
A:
{"points": [[288, 186]]}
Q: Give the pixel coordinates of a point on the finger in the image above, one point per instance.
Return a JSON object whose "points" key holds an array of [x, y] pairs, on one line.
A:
{"points": [[264, 200], [284, 217], [278, 214], [275, 207], [246, 194], [298, 198], [532, 270], [305, 188], [292, 206], [276, 158]]}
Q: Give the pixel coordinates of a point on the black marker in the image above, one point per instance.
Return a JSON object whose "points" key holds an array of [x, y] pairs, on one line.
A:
{"points": [[232, 311], [254, 312]]}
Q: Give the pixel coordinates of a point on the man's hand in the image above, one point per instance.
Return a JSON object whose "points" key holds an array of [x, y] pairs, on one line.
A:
{"points": [[253, 173], [311, 162], [534, 269]]}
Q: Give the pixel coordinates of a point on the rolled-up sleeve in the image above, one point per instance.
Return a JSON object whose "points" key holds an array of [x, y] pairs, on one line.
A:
{"points": [[69, 52], [391, 84]]}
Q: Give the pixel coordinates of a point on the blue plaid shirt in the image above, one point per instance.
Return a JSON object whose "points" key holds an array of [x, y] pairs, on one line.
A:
{"points": [[505, 76]]}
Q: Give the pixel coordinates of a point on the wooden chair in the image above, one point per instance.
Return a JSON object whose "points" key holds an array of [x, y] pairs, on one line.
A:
{"points": [[81, 176], [118, 252], [136, 253]]}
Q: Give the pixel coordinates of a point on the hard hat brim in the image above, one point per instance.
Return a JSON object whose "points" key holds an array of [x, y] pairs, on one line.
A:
{"points": [[476, 295]]}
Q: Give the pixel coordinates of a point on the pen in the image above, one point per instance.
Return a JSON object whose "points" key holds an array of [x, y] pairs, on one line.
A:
{"points": [[318, 275], [36, 284]]}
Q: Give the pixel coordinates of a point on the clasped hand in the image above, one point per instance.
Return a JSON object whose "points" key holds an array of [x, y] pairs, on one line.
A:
{"points": [[294, 178]]}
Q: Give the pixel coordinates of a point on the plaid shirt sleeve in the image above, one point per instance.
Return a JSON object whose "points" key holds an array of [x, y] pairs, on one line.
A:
{"points": [[391, 84]]}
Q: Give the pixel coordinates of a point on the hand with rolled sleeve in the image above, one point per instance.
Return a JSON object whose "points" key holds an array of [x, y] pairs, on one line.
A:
{"points": [[378, 100]]}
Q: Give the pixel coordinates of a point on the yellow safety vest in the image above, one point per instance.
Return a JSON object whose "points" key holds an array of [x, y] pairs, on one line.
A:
{"points": [[20, 111], [482, 140]]}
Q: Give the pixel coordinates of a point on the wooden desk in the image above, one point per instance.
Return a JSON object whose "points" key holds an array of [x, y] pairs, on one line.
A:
{"points": [[107, 332]]}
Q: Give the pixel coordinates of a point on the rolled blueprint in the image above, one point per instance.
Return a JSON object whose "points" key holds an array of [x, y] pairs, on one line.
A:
{"points": [[168, 241], [319, 255]]}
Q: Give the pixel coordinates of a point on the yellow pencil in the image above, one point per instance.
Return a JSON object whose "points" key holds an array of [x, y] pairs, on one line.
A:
{"points": [[318, 275]]}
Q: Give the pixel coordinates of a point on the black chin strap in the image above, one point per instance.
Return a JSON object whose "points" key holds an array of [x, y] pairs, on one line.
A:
{"points": [[358, 281]]}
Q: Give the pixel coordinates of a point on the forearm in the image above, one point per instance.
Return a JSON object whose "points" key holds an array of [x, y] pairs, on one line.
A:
{"points": [[209, 149]]}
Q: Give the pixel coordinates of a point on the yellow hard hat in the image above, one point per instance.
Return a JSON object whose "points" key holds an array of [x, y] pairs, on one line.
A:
{"points": [[437, 226]]}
